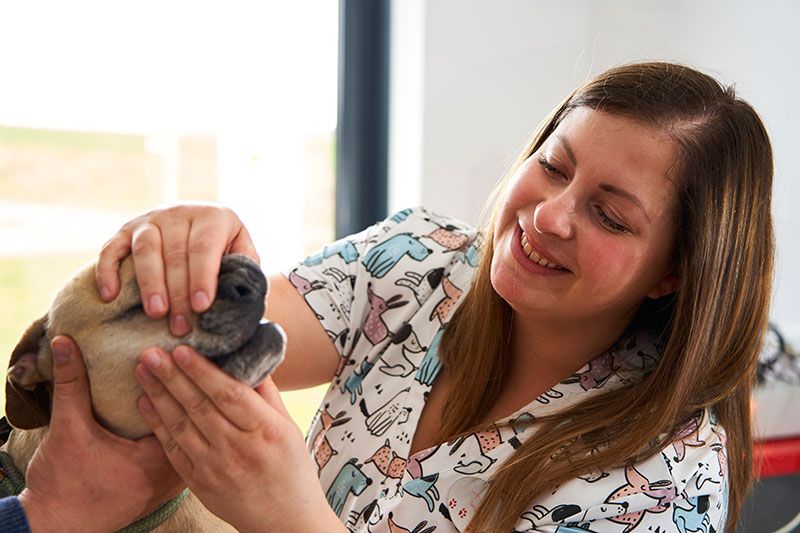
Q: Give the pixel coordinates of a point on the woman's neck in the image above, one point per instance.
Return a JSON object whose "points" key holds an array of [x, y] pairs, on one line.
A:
{"points": [[553, 350]]}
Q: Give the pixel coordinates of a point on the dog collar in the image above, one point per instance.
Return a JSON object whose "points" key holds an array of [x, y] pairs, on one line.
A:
{"points": [[12, 482]]}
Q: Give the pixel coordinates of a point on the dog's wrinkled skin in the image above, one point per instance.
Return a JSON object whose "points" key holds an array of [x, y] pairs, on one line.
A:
{"points": [[112, 335]]}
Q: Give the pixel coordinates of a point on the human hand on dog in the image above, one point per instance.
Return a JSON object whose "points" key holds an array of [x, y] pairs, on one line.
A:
{"points": [[237, 448], [176, 254], [127, 479]]}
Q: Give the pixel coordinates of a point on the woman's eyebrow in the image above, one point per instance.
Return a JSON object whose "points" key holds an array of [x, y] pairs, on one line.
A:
{"points": [[605, 186], [624, 194]]}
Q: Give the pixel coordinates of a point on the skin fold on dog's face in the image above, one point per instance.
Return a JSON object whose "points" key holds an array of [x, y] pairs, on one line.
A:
{"points": [[112, 335]]}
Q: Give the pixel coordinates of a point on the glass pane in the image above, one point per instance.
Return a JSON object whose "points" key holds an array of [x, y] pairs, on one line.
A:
{"points": [[148, 103]]}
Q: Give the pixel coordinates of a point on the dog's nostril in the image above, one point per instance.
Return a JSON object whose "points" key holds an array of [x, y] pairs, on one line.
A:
{"points": [[236, 288], [243, 290]]}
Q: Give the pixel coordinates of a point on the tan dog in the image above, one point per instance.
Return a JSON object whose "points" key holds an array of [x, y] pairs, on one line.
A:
{"points": [[112, 335]]}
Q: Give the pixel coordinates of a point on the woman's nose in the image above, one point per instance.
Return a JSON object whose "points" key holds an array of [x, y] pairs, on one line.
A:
{"points": [[555, 216]]}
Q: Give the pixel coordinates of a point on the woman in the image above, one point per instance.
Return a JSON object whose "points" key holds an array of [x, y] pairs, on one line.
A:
{"points": [[584, 362]]}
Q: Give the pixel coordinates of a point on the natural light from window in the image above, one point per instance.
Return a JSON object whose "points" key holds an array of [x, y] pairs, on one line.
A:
{"points": [[112, 108]]}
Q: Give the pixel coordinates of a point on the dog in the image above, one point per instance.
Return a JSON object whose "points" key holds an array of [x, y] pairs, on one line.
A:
{"points": [[111, 336]]}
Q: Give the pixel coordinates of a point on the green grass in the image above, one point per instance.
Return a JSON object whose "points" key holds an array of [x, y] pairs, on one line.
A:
{"points": [[116, 142]]}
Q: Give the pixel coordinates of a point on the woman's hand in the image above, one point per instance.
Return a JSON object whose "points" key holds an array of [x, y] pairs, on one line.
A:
{"points": [[83, 478], [237, 448], [176, 256]]}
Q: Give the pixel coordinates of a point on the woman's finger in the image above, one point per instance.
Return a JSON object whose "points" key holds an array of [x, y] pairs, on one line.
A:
{"points": [[269, 391], [174, 237], [106, 271], [148, 264], [235, 400], [172, 414], [242, 243], [190, 399], [205, 248], [177, 457]]}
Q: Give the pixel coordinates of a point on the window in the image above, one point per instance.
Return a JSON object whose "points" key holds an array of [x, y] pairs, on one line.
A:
{"points": [[143, 103]]}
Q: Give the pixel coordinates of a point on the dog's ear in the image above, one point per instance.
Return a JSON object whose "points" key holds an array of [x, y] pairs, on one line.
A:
{"points": [[28, 393]]}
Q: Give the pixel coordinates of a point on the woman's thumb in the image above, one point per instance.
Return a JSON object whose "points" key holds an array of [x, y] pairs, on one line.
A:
{"points": [[70, 383]]}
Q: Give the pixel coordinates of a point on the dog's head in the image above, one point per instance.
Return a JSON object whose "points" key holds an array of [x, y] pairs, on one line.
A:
{"points": [[112, 335]]}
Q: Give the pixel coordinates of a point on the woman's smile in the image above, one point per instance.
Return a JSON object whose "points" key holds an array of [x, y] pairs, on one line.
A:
{"points": [[534, 259]]}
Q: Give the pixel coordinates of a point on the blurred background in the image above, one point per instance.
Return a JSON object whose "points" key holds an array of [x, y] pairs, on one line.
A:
{"points": [[108, 109]]}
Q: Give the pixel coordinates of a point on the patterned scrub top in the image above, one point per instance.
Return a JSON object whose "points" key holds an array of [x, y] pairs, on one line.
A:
{"points": [[384, 296]]}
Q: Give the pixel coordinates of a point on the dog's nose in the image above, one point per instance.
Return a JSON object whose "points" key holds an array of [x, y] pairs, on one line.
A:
{"points": [[237, 286]]}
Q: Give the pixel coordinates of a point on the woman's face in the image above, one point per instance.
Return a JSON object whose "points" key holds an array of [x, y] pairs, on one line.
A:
{"points": [[587, 227]]}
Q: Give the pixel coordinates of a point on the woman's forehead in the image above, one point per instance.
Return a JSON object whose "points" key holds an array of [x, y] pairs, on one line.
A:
{"points": [[617, 152]]}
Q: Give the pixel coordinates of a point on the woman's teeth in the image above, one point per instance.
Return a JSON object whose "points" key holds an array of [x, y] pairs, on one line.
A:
{"points": [[533, 256]]}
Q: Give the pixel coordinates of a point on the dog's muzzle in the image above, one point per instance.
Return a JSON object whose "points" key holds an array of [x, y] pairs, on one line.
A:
{"points": [[232, 332]]}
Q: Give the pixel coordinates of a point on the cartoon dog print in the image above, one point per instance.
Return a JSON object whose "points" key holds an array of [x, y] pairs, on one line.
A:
{"points": [[425, 488], [447, 237], [662, 491], [421, 285], [540, 515], [473, 458], [600, 369], [719, 447], [303, 285], [688, 437], [406, 337], [448, 303], [388, 462], [419, 528], [375, 329], [384, 256], [471, 255], [431, 365], [369, 516], [400, 216], [322, 448], [343, 248], [387, 414], [414, 465], [694, 518], [354, 380], [350, 480], [550, 395]]}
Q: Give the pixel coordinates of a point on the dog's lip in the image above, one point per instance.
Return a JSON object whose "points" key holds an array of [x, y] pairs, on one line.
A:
{"points": [[244, 344]]}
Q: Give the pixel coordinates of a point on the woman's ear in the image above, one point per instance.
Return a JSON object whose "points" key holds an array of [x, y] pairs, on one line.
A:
{"points": [[667, 285]]}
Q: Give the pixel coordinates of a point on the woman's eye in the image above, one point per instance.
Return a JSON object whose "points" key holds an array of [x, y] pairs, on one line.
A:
{"points": [[545, 164], [609, 222]]}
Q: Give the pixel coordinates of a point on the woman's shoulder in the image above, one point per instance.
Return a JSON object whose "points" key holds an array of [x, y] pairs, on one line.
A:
{"points": [[419, 219]]}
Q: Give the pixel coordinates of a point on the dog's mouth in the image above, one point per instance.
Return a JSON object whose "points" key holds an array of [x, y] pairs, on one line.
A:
{"points": [[232, 333]]}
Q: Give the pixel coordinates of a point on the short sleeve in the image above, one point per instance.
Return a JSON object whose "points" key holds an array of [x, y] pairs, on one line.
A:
{"points": [[344, 280]]}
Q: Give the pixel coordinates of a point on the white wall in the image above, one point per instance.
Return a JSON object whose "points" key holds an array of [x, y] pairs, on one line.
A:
{"points": [[472, 78]]}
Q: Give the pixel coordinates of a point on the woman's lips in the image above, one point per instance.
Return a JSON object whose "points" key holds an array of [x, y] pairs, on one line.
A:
{"points": [[527, 259]]}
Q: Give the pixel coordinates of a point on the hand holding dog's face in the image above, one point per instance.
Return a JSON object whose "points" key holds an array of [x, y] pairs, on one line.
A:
{"points": [[112, 335]]}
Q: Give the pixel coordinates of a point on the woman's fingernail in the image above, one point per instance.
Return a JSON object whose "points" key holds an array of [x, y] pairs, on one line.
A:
{"points": [[152, 359], [157, 304], [105, 293], [144, 375], [61, 352], [181, 355], [146, 404], [200, 301], [179, 325]]}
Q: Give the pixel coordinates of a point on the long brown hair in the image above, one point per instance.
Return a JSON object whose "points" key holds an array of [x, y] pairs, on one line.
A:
{"points": [[712, 326]]}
